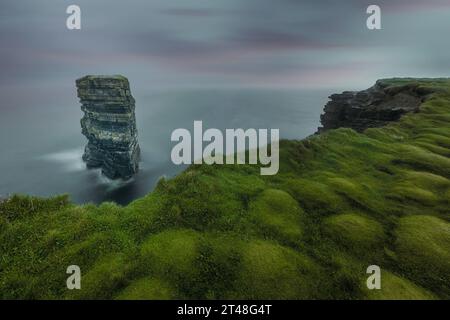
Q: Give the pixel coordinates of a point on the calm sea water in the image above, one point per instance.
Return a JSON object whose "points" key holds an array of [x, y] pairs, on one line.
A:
{"points": [[42, 145]]}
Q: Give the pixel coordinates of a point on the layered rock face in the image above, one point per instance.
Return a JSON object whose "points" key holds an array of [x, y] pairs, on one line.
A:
{"points": [[109, 124], [374, 107]]}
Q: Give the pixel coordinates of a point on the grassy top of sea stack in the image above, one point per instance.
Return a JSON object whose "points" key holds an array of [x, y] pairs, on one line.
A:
{"points": [[342, 201]]}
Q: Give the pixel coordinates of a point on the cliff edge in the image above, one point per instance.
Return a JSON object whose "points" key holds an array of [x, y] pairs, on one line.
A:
{"points": [[342, 201], [374, 107]]}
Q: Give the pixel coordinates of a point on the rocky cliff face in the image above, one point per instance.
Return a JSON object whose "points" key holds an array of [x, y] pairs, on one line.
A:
{"points": [[109, 124], [374, 107]]}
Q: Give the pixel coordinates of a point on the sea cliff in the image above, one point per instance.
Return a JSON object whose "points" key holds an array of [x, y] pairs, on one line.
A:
{"points": [[375, 107], [343, 200]]}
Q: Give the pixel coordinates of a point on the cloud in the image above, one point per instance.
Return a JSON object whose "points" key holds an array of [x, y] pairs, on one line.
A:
{"points": [[189, 12], [221, 42]]}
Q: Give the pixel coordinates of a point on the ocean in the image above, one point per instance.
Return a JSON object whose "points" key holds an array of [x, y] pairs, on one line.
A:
{"points": [[42, 143]]}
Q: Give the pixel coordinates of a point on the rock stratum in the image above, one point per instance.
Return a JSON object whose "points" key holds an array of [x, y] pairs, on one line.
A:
{"points": [[375, 107], [109, 124]]}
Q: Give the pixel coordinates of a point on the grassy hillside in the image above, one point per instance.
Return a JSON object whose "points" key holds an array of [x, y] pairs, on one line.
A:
{"points": [[342, 201]]}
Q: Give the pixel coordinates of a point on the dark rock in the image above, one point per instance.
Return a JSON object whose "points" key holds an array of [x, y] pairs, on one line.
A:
{"points": [[374, 107], [109, 124]]}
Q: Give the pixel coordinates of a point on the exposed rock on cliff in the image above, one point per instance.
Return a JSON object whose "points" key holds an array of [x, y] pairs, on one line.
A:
{"points": [[109, 124], [374, 107]]}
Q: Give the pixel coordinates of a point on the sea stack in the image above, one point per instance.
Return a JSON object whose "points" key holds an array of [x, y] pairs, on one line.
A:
{"points": [[109, 124]]}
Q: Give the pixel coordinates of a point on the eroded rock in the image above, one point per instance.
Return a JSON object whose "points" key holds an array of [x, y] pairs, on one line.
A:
{"points": [[374, 107], [109, 124]]}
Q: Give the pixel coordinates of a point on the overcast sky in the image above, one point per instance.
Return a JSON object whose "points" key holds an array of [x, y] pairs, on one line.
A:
{"points": [[220, 43]]}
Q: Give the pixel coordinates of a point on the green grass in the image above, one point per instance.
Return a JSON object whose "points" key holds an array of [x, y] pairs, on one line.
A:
{"points": [[342, 201], [271, 271], [146, 289], [396, 288], [276, 213], [355, 232], [423, 244]]}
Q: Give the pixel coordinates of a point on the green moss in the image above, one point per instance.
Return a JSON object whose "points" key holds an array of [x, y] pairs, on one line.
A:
{"points": [[427, 180], [170, 253], [106, 277], [140, 217], [356, 232], [420, 159], [3, 224], [146, 289], [358, 194], [270, 271], [423, 248], [315, 196], [397, 288], [20, 206], [217, 267], [414, 193], [277, 215]]}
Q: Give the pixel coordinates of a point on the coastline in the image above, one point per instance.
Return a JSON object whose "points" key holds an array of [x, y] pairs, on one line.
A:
{"points": [[341, 201]]}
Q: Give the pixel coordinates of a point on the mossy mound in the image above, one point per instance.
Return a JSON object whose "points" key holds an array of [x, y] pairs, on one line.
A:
{"points": [[270, 271], [106, 276], [170, 253], [397, 288], [146, 289], [358, 233], [423, 248], [315, 196], [277, 215]]}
